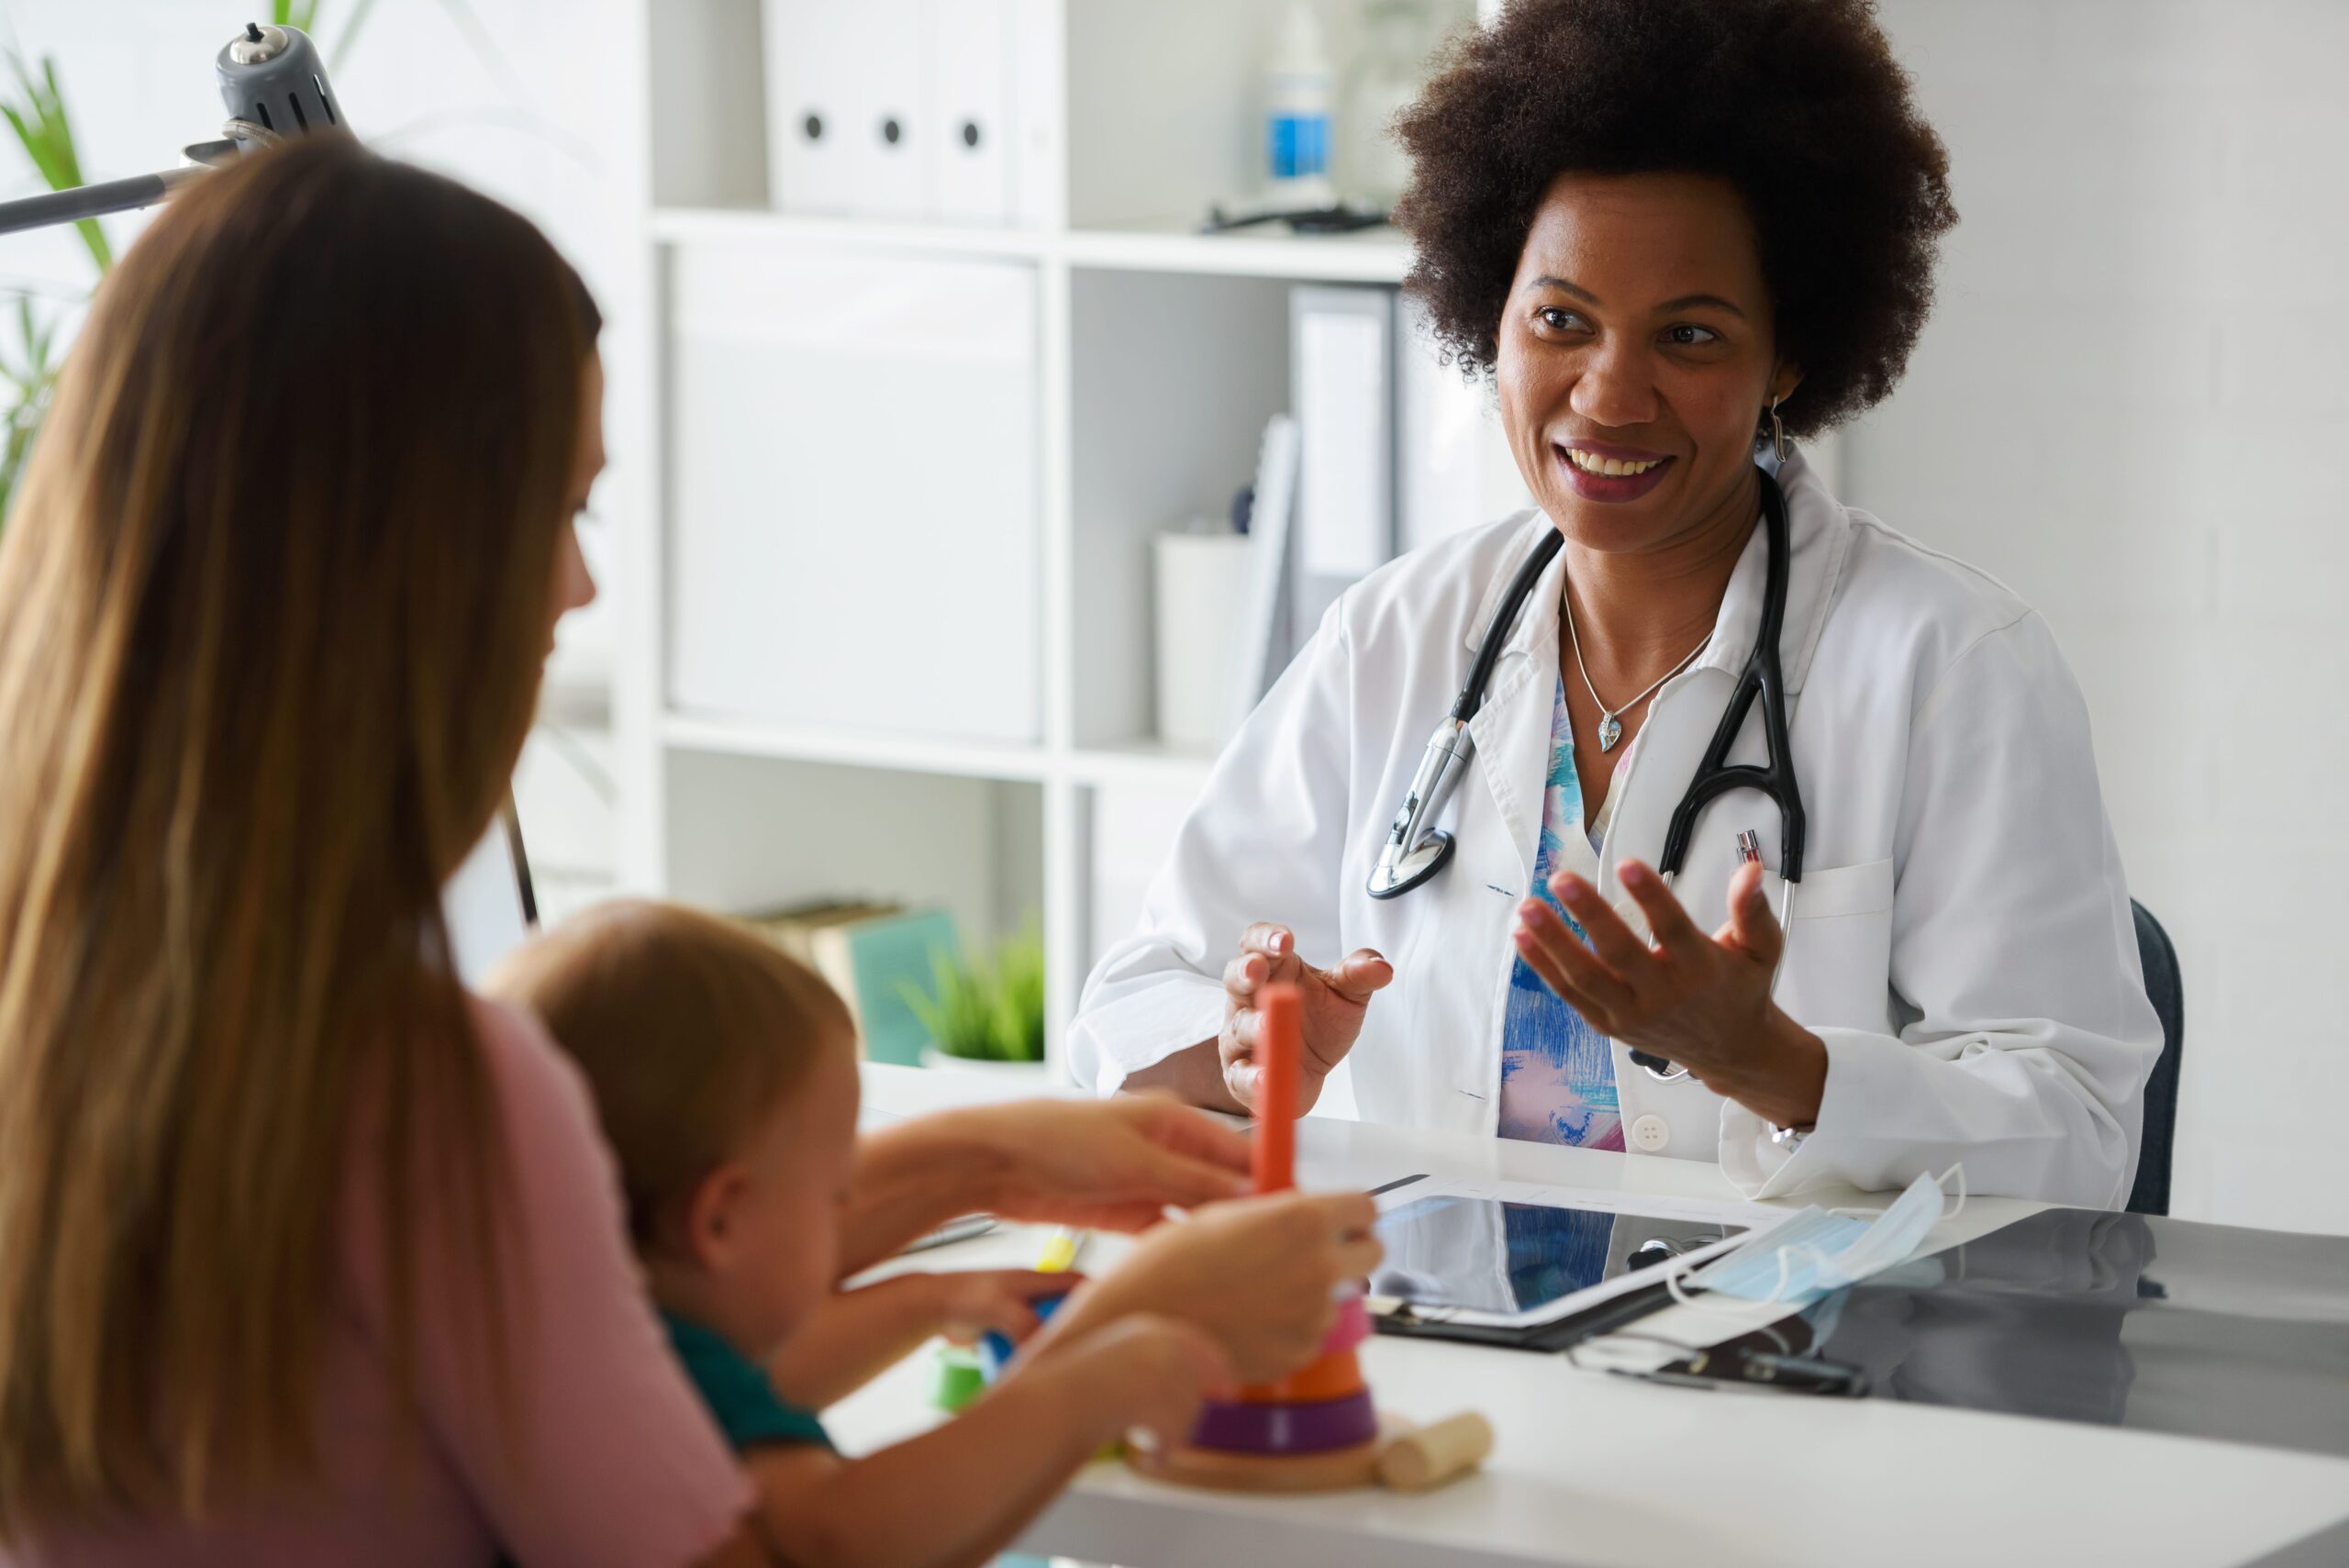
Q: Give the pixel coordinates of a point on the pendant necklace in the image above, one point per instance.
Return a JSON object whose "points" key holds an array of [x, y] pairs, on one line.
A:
{"points": [[1610, 721]]}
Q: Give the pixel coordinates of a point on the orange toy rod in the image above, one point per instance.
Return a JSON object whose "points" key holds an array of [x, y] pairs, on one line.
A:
{"points": [[1280, 1050]]}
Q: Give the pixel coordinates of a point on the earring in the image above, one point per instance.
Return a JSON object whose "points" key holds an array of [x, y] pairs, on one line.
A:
{"points": [[1777, 433]]}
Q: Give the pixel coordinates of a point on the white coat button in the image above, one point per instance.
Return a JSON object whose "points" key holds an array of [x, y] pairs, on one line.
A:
{"points": [[1649, 1133]]}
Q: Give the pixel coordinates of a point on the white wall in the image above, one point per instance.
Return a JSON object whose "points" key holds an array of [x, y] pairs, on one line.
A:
{"points": [[2132, 404]]}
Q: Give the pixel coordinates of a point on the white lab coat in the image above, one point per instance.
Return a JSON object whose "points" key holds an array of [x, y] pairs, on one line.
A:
{"points": [[1961, 937]]}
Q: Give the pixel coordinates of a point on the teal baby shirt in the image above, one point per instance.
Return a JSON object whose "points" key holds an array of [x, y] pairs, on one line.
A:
{"points": [[745, 1404]]}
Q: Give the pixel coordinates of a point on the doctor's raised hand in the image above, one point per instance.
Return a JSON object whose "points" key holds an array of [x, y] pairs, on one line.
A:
{"points": [[1335, 1001], [1700, 1002]]}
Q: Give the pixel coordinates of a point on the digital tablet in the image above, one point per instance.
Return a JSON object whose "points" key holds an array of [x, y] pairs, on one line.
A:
{"points": [[1504, 1261]]}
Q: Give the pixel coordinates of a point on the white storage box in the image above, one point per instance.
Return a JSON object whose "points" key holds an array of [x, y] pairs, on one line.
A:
{"points": [[853, 538]]}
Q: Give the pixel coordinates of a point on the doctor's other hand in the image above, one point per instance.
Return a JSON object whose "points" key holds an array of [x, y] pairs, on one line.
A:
{"points": [[1335, 1001], [1702, 1002]]}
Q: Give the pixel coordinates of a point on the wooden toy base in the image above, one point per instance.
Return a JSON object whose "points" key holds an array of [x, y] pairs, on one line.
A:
{"points": [[1337, 1470]]}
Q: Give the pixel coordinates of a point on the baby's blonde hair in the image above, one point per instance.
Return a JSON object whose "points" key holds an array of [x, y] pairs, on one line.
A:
{"points": [[691, 1028]]}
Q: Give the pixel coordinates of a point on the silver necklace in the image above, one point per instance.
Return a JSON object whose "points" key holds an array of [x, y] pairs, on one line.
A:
{"points": [[1610, 721]]}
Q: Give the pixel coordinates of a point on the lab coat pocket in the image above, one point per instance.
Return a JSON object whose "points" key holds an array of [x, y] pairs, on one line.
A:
{"points": [[1837, 970]]}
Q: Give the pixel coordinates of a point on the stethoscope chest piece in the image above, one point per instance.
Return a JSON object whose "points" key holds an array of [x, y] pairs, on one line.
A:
{"points": [[1394, 875]]}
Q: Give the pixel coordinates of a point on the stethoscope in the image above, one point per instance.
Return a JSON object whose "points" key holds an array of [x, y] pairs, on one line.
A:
{"points": [[1414, 851]]}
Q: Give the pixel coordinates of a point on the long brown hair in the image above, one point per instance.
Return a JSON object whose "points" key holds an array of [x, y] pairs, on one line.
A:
{"points": [[272, 609]]}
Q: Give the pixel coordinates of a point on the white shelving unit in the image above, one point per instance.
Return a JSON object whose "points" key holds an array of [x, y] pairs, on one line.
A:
{"points": [[1374, 256], [1159, 355]]}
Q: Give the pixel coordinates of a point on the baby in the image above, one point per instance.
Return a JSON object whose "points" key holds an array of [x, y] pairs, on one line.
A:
{"points": [[725, 1075]]}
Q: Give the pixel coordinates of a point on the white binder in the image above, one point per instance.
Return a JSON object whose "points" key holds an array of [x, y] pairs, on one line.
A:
{"points": [[1341, 356], [1039, 98], [809, 166], [891, 148], [846, 107], [967, 65], [910, 109], [1444, 436]]}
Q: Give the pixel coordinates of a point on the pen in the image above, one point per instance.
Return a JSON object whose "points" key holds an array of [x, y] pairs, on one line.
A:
{"points": [[953, 1230]]}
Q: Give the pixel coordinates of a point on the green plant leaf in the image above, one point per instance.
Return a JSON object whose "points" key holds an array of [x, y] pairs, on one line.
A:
{"points": [[989, 1008], [954, 1009], [1019, 1001], [33, 379], [35, 107]]}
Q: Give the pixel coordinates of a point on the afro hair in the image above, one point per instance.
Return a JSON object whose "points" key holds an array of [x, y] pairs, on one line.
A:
{"points": [[1798, 103]]}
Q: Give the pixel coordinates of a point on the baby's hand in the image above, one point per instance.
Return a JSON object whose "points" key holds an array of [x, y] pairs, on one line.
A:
{"points": [[1149, 1375], [982, 1301]]}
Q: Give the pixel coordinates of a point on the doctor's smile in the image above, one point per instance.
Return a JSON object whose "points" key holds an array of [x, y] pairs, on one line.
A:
{"points": [[1603, 473]]}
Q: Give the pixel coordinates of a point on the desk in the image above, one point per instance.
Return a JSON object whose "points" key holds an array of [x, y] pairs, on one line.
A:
{"points": [[1605, 1472]]}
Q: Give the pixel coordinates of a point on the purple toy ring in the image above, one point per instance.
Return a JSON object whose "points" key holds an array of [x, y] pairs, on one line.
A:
{"points": [[1287, 1429]]}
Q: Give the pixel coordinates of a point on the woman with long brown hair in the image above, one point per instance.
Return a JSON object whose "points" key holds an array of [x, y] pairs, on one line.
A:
{"points": [[306, 1255]]}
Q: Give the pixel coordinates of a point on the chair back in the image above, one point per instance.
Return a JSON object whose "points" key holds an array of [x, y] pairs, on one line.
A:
{"points": [[2159, 956]]}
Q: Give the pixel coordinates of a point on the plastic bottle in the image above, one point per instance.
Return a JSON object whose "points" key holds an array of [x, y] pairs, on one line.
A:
{"points": [[1372, 165], [1300, 91]]}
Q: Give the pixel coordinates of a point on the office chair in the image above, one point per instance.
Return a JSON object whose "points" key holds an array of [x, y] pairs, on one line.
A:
{"points": [[2151, 1193]]}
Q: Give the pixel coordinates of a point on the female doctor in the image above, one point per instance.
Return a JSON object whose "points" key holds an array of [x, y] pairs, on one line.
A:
{"points": [[1677, 236]]}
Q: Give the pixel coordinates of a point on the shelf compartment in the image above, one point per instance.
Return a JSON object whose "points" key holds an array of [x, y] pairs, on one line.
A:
{"points": [[1143, 762], [721, 735], [751, 833], [1378, 256], [1172, 380], [1146, 763], [737, 223]]}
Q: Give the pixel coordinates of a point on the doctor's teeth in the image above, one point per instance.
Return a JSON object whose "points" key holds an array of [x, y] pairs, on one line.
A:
{"points": [[1590, 462]]}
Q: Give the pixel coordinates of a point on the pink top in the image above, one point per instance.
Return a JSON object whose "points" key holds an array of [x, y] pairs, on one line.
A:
{"points": [[623, 1467]]}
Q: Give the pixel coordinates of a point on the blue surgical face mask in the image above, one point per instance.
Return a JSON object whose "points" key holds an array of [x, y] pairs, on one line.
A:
{"points": [[1825, 1314], [1803, 1258]]}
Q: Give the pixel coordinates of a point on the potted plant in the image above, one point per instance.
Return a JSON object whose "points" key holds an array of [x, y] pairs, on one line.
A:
{"points": [[985, 1014]]}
